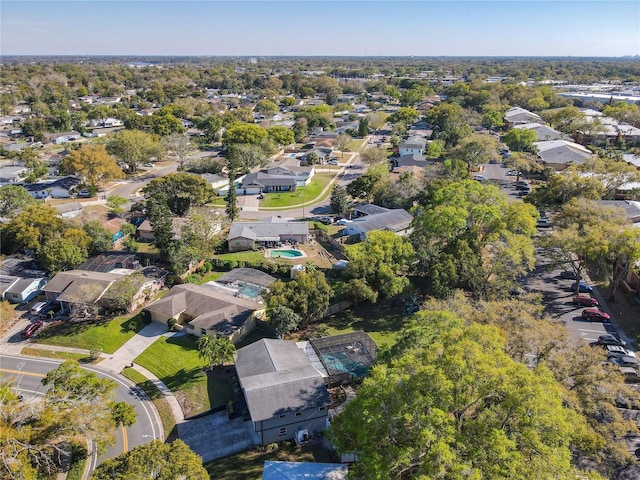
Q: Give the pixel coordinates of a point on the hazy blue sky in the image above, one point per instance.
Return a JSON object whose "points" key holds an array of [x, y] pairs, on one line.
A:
{"points": [[421, 28]]}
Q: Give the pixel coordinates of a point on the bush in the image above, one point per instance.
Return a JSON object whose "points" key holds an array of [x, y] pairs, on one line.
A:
{"points": [[171, 323]]}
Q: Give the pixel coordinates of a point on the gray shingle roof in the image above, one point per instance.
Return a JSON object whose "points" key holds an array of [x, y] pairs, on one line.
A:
{"points": [[369, 209], [278, 378], [394, 220], [266, 231]]}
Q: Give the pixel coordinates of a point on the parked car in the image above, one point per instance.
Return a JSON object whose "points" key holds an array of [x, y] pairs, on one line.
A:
{"points": [[54, 307], [611, 340], [582, 287], [592, 314], [84, 193], [544, 223], [618, 351], [623, 361], [567, 275], [522, 186], [148, 165], [344, 221], [512, 173], [32, 329], [585, 301], [493, 161], [332, 161], [38, 308], [480, 178]]}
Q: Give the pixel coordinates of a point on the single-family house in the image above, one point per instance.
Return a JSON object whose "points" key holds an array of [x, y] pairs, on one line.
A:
{"points": [[323, 153], [84, 288], [518, 116], [396, 220], [559, 154], [59, 188], [204, 310], [543, 132], [285, 394], [69, 210], [631, 209], [10, 174], [412, 145], [64, 137], [250, 235], [410, 160], [218, 182], [304, 471], [20, 289], [145, 230], [364, 209], [276, 179]]}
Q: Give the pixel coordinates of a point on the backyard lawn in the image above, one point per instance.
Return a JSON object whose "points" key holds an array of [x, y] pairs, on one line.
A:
{"points": [[248, 465], [300, 196], [107, 336], [382, 322], [176, 362], [249, 257]]}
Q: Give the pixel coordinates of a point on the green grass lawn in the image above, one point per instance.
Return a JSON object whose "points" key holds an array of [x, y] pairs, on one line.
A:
{"points": [[156, 396], [210, 277], [108, 335], [176, 362], [248, 465], [301, 195], [37, 352], [354, 145], [218, 201], [253, 257], [382, 322]]}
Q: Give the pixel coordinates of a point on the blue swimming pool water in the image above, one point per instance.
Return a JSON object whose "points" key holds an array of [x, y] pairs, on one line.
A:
{"points": [[251, 291], [285, 253]]}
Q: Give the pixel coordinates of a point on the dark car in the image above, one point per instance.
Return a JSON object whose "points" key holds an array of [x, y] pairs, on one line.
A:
{"points": [[585, 301], [32, 329], [50, 307], [582, 287], [610, 340], [521, 186], [567, 275], [592, 314]]}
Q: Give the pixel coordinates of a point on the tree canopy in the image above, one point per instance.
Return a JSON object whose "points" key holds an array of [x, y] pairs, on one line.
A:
{"points": [[134, 147], [13, 198], [307, 295], [182, 191]]}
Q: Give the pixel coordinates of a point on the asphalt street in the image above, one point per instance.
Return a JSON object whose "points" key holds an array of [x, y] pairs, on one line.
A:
{"points": [[27, 373]]}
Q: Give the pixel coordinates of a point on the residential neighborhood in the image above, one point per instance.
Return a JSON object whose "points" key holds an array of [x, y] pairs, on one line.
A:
{"points": [[305, 268]]}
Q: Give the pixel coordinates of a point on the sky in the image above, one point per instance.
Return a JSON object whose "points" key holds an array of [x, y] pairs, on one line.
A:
{"points": [[308, 27]]}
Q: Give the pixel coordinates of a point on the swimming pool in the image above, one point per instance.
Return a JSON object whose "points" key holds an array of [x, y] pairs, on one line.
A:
{"points": [[286, 253], [251, 291]]}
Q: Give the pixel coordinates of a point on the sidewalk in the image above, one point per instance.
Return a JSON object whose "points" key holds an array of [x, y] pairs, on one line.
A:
{"points": [[121, 358]]}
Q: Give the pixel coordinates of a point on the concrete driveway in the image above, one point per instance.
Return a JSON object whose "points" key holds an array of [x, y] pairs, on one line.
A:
{"points": [[215, 436]]}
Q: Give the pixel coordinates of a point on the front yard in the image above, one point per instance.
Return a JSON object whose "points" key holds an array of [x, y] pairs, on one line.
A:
{"points": [[176, 362], [302, 195], [106, 336]]}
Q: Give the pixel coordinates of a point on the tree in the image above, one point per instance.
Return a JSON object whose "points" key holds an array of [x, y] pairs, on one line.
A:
{"points": [[404, 115], [133, 147], [382, 261], [33, 227], [60, 254], [267, 107], [211, 127], [448, 122], [612, 174], [157, 460], [182, 191], [244, 157], [342, 142], [36, 436], [284, 320], [308, 295], [159, 215], [13, 198], [215, 350], [464, 228], [339, 200], [312, 158], [244, 133], [202, 234], [368, 185], [363, 127], [475, 149], [300, 128], [93, 163], [281, 135], [166, 124], [122, 292], [123, 414], [456, 406], [376, 120], [492, 119], [436, 149], [179, 145], [374, 155], [231, 199], [520, 139], [116, 204], [101, 238]]}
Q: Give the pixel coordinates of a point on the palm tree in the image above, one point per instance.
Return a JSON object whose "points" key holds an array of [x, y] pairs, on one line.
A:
{"points": [[215, 350]]}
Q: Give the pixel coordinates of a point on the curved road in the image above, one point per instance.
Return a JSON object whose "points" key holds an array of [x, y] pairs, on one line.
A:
{"points": [[28, 372]]}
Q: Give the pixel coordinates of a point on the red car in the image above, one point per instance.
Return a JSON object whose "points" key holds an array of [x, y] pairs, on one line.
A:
{"points": [[31, 330], [595, 314], [585, 301]]}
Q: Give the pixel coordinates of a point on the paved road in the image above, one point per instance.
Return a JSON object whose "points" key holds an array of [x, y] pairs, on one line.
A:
{"points": [[28, 372]]}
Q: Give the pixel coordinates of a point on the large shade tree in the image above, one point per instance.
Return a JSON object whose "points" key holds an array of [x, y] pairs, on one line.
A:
{"points": [[182, 191], [93, 163]]}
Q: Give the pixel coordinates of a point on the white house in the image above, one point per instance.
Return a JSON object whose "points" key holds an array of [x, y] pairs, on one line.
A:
{"points": [[412, 145]]}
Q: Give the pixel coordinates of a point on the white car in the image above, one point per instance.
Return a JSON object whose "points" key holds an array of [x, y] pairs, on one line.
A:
{"points": [[617, 351], [344, 221], [480, 178]]}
